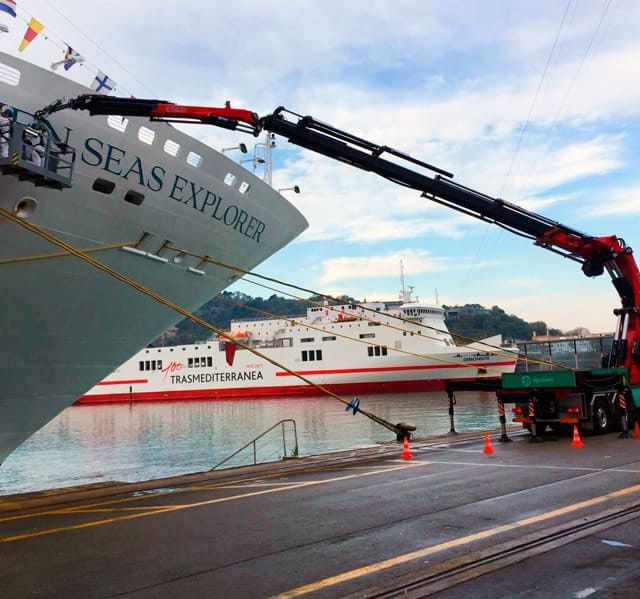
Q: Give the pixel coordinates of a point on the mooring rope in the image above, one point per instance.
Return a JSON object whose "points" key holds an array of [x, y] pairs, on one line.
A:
{"points": [[169, 304]]}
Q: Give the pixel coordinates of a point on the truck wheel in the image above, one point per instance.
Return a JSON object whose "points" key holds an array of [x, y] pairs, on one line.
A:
{"points": [[601, 417]]}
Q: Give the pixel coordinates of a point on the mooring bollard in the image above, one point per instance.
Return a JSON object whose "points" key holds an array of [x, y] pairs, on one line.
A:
{"points": [[624, 421], [503, 423], [452, 402]]}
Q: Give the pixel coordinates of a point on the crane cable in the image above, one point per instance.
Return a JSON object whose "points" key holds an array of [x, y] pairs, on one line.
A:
{"points": [[169, 304]]}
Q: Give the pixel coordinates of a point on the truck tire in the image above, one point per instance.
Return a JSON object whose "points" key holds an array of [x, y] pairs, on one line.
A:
{"points": [[601, 417]]}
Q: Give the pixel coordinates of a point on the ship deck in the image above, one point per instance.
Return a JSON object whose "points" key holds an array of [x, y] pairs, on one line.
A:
{"points": [[537, 519]]}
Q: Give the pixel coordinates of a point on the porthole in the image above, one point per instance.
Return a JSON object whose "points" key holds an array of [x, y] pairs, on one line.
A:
{"points": [[146, 135], [171, 147], [103, 186], [119, 123], [133, 197], [194, 159]]}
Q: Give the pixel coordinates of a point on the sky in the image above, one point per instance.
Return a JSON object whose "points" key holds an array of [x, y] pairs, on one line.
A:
{"points": [[536, 102]]}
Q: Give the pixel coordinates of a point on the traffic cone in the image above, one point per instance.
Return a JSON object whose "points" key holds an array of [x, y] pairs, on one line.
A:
{"points": [[577, 442], [636, 430], [406, 453], [488, 449]]}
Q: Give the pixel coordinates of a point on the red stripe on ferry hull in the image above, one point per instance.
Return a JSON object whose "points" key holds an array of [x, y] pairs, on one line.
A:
{"points": [[274, 391]]}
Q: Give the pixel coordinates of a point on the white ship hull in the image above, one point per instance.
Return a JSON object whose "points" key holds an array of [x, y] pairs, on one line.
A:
{"points": [[346, 350], [66, 325]]}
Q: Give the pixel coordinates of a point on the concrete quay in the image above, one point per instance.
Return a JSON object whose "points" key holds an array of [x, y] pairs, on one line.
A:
{"points": [[538, 520]]}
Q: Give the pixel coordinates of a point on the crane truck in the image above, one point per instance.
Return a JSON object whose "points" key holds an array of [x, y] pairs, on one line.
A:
{"points": [[597, 399]]}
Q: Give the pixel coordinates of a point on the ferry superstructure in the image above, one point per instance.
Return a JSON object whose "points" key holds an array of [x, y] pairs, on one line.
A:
{"points": [[147, 188], [350, 348]]}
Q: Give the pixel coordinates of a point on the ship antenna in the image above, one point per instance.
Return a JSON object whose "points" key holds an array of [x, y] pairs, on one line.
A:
{"points": [[405, 295]]}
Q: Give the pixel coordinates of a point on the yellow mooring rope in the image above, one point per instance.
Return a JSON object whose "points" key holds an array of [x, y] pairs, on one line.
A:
{"points": [[169, 304]]}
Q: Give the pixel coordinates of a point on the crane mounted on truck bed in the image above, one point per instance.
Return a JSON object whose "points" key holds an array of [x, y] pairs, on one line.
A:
{"points": [[592, 397]]}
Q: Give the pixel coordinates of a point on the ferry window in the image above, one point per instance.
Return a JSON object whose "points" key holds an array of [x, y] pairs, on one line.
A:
{"points": [[146, 135], [370, 351], [159, 364], [147, 366], [171, 147], [133, 197], [312, 356], [377, 350], [194, 159], [304, 355], [384, 351], [244, 187], [374, 324], [190, 363], [230, 179], [141, 365], [118, 123], [307, 340], [209, 361], [330, 338], [196, 362], [103, 186], [153, 364], [318, 354], [9, 74], [367, 335]]}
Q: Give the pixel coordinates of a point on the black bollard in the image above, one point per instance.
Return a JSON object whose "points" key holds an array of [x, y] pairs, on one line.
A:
{"points": [[503, 423], [452, 402]]}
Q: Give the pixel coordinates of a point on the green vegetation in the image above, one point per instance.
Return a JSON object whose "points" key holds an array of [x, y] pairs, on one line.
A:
{"points": [[468, 321]]}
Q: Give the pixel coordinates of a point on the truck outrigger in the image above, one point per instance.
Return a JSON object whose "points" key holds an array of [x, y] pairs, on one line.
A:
{"points": [[595, 398]]}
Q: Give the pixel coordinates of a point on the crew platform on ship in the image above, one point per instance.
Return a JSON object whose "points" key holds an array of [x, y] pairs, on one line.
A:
{"points": [[545, 518]]}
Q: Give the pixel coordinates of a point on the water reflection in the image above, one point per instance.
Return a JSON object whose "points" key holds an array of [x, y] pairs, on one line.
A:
{"points": [[141, 441]]}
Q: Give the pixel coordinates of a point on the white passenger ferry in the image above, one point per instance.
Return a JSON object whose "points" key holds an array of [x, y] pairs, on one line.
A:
{"points": [[350, 348], [148, 200]]}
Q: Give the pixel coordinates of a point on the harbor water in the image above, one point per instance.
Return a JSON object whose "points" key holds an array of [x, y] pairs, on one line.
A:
{"points": [[141, 441]]}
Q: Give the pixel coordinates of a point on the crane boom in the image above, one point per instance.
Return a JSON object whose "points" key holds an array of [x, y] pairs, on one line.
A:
{"points": [[596, 254]]}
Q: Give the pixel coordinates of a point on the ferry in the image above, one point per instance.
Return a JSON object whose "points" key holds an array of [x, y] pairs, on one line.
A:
{"points": [[145, 199], [372, 347]]}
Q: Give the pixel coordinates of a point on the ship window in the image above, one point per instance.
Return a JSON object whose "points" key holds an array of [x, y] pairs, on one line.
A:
{"points": [[190, 363], [196, 362], [370, 351], [307, 340], [9, 74], [384, 351], [230, 179], [119, 123], [304, 355], [153, 364], [103, 186], [147, 365], [331, 338], [141, 365], [171, 147], [209, 361], [318, 354], [367, 335], [133, 197], [312, 356], [194, 159], [374, 324], [146, 135], [159, 364], [377, 350], [244, 187]]}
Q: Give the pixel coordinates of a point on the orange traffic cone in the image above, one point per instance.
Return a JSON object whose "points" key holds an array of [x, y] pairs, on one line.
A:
{"points": [[488, 449], [406, 453], [577, 442], [636, 431]]}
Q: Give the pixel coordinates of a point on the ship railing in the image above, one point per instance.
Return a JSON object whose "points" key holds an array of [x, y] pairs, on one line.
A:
{"points": [[253, 443], [36, 153]]}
